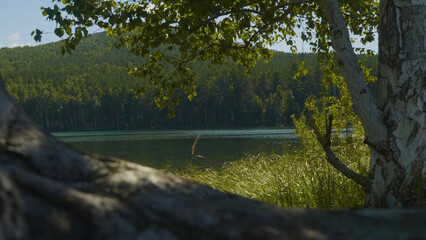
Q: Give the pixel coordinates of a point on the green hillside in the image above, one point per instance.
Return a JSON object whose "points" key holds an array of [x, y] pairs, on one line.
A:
{"points": [[91, 90]]}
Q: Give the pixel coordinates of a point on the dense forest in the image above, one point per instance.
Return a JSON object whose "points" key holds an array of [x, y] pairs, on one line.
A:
{"points": [[92, 90]]}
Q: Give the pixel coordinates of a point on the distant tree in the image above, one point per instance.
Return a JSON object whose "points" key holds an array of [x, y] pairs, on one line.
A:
{"points": [[82, 91], [216, 30]]}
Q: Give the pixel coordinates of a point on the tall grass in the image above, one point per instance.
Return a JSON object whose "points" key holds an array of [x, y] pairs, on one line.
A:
{"points": [[303, 179]]}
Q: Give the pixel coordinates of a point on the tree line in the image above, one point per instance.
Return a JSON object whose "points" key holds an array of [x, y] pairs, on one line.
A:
{"points": [[92, 90]]}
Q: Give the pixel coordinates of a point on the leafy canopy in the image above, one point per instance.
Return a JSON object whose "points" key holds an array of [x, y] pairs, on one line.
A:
{"points": [[176, 33]]}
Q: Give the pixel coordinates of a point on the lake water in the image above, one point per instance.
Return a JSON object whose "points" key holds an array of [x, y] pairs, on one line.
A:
{"points": [[160, 149]]}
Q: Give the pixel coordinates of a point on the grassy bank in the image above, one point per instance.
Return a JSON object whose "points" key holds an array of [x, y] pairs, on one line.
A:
{"points": [[303, 179]]}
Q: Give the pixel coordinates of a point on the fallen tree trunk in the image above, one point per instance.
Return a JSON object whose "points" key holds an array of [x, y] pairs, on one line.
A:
{"points": [[48, 190]]}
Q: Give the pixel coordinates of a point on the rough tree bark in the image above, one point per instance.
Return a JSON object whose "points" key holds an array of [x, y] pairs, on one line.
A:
{"points": [[48, 190], [395, 127], [398, 171]]}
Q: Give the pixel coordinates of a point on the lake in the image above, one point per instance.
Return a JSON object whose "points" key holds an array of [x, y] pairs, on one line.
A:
{"points": [[173, 149]]}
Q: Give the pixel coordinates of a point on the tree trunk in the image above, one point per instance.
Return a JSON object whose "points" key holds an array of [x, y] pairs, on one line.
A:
{"points": [[395, 127], [84, 121], [398, 170], [70, 117], [60, 119], [48, 190]]}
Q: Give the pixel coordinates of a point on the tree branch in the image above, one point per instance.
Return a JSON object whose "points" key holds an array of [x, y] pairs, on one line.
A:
{"points": [[331, 156], [296, 2], [249, 10], [364, 102]]}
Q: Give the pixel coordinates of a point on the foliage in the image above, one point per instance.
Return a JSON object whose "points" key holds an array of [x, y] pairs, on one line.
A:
{"points": [[91, 90], [215, 30]]}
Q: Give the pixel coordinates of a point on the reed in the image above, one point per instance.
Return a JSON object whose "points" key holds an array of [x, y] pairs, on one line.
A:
{"points": [[303, 179], [194, 145]]}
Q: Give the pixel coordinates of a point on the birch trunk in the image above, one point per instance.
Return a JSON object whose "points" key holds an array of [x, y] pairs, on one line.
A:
{"points": [[395, 127], [398, 171]]}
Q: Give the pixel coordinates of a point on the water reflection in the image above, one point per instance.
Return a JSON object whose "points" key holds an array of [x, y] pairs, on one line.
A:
{"points": [[161, 148]]}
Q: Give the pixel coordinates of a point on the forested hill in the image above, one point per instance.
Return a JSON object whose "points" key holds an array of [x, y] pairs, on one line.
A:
{"points": [[91, 90]]}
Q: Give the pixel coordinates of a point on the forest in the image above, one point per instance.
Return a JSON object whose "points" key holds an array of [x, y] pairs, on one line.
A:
{"points": [[376, 168], [91, 89]]}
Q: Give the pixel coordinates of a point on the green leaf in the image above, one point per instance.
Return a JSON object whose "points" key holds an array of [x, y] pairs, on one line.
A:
{"points": [[59, 32], [37, 35]]}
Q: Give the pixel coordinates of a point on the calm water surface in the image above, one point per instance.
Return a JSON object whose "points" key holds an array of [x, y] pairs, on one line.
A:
{"points": [[160, 149]]}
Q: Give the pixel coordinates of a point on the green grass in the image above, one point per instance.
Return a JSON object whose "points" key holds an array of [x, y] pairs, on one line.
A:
{"points": [[303, 179]]}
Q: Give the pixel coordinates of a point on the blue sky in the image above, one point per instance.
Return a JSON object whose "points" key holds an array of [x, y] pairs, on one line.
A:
{"points": [[18, 18]]}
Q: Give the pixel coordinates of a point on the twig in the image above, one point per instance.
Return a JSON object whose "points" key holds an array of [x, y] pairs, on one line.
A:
{"points": [[331, 156]]}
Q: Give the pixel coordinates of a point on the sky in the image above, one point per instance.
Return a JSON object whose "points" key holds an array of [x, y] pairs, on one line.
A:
{"points": [[18, 18]]}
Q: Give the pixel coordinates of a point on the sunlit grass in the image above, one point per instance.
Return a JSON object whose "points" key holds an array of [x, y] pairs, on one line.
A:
{"points": [[303, 179]]}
